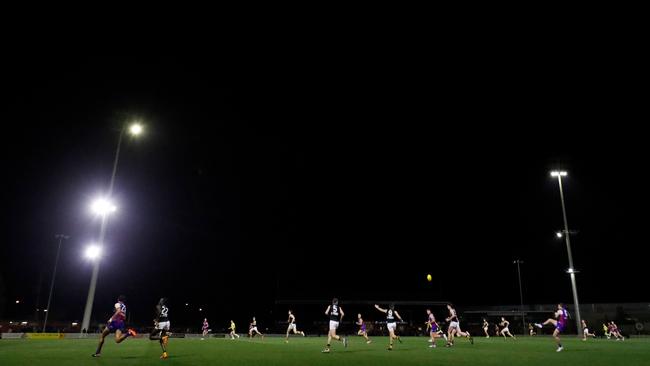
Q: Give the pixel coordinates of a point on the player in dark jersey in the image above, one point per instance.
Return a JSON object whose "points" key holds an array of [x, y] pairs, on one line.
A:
{"points": [[559, 323], [116, 324], [486, 325], [335, 313], [585, 331], [292, 327], [454, 328], [252, 329], [531, 330], [391, 323], [434, 328], [362, 329], [161, 328]]}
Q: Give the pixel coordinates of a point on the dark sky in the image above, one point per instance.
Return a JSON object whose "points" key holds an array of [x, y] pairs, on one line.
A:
{"points": [[320, 175]]}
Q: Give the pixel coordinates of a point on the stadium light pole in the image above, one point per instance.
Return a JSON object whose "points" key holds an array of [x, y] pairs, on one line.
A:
{"points": [[519, 262], [61, 237], [104, 208], [571, 271]]}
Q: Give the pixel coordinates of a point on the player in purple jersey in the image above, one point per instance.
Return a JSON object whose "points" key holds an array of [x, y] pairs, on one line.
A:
{"points": [[205, 328], [559, 323], [362, 329], [434, 328], [116, 324]]}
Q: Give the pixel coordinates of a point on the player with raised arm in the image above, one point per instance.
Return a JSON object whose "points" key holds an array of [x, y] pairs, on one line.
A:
{"points": [[505, 330], [486, 325], [116, 323], [585, 331], [292, 326], [161, 328], [362, 329], [559, 323], [233, 330], [454, 327], [205, 328], [335, 313], [391, 324], [252, 329]]}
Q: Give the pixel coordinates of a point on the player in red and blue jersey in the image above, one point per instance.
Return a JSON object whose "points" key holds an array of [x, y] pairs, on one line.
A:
{"points": [[117, 324], [559, 322], [362, 329], [434, 328]]}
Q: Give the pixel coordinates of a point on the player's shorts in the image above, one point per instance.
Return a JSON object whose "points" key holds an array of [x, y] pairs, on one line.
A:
{"points": [[434, 329], [334, 325], [292, 327], [454, 325], [163, 325], [363, 328], [505, 330], [114, 325], [585, 331], [560, 326], [391, 326], [253, 329]]}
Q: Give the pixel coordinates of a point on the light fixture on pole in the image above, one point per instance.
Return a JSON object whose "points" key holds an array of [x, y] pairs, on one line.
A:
{"points": [[572, 272], [104, 207]]}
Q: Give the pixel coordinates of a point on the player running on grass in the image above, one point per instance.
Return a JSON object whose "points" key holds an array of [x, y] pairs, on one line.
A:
{"points": [[486, 325], [233, 330], [252, 329], [531, 330], [205, 328], [116, 324], [391, 324], [434, 328], [585, 331], [454, 328], [559, 323], [506, 331], [362, 329], [613, 330], [292, 327], [161, 328], [335, 313]]}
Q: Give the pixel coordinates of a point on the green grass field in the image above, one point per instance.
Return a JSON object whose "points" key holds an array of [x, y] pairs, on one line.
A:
{"points": [[307, 352]]}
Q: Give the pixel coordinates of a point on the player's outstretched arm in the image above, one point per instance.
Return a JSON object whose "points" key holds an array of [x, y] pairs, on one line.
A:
{"points": [[327, 312], [380, 309], [398, 317], [342, 313]]}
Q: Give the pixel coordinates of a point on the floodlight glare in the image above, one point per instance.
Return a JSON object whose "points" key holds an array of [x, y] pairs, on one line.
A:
{"points": [[135, 129], [102, 207], [558, 234], [93, 252], [556, 173]]}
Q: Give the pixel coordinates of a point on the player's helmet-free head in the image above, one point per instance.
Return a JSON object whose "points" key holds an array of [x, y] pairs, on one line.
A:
{"points": [[450, 306], [163, 301], [335, 301], [391, 306], [121, 298], [289, 311], [560, 306], [428, 311], [359, 315]]}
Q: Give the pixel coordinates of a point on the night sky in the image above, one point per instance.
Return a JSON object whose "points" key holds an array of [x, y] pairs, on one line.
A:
{"points": [[321, 176]]}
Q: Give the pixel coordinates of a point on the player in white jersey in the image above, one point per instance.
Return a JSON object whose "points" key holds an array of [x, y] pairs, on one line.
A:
{"points": [[454, 328], [505, 330], [292, 327], [252, 329], [335, 313], [205, 328], [585, 331], [391, 324], [485, 327]]}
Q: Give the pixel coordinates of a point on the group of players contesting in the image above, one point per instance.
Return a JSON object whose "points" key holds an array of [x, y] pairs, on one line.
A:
{"points": [[160, 333]]}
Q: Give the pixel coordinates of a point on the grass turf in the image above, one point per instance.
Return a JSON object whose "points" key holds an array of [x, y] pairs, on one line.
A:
{"points": [[307, 351]]}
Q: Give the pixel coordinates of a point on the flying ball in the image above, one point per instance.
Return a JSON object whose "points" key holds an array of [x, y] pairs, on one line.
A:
{"points": [[429, 277]]}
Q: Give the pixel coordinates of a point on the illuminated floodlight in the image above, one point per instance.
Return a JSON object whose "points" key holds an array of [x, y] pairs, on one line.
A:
{"points": [[558, 234], [135, 129], [93, 252], [557, 173], [17, 301], [102, 206]]}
